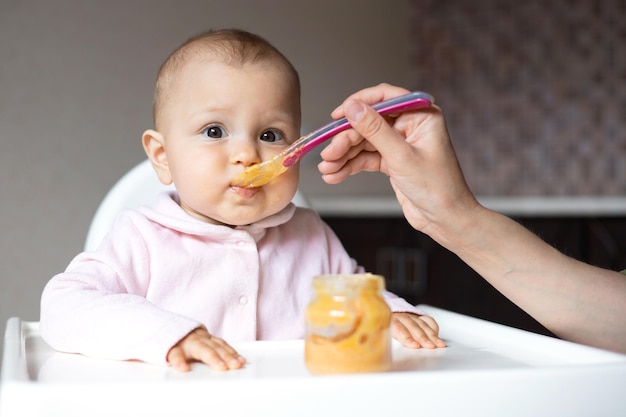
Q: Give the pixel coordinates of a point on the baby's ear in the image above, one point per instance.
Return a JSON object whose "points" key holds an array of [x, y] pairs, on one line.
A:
{"points": [[154, 145]]}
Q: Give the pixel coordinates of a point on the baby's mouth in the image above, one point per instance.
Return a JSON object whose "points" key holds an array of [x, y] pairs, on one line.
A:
{"points": [[245, 192]]}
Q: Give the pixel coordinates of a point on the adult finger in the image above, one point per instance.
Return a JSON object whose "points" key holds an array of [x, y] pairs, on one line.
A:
{"points": [[337, 171], [371, 95], [372, 126], [342, 145]]}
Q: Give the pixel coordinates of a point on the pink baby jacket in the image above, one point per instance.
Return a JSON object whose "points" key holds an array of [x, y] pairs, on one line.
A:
{"points": [[161, 273]]}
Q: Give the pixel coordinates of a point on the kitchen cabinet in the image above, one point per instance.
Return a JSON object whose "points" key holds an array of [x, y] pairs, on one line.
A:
{"points": [[421, 271]]}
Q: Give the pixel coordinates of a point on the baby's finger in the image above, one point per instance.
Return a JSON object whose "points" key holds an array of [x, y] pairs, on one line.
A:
{"points": [[426, 328], [226, 353], [431, 328], [412, 327], [201, 346], [431, 323], [176, 358], [410, 335], [209, 357]]}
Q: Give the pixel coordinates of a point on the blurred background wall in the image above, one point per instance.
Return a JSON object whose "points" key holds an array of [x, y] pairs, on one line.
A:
{"points": [[534, 92]]}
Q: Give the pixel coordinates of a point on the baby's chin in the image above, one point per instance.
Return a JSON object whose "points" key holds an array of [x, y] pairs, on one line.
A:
{"points": [[250, 206], [245, 219]]}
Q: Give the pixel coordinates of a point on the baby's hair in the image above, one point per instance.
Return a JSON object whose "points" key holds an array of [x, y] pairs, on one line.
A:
{"points": [[231, 46]]}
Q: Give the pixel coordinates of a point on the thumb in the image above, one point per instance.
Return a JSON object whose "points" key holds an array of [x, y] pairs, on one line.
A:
{"points": [[373, 127]]}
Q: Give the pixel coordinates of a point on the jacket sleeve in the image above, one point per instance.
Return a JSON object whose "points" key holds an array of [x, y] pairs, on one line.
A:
{"points": [[98, 306]]}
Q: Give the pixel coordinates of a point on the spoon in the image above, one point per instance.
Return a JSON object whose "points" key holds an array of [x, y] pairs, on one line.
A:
{"points": [[258, 175]]}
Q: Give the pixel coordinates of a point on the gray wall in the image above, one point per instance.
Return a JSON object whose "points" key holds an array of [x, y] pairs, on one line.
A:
{"points": [[76, 81]]}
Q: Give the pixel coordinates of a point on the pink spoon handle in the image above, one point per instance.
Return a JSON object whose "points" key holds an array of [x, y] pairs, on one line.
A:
{"points": [[411, 101]]}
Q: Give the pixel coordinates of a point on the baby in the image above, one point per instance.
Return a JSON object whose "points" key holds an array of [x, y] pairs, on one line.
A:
{"points": [[211, 262]]}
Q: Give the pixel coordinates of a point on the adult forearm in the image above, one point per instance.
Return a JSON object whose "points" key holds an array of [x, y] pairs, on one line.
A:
{"points": [[574, 300]]}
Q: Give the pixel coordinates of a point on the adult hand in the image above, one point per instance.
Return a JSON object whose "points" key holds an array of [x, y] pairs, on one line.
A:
{"points": [[576, 301], [412, 148]]}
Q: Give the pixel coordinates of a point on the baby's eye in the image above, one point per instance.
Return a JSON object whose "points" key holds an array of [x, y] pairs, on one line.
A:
{"points": [[214, 132], [272, 136]]}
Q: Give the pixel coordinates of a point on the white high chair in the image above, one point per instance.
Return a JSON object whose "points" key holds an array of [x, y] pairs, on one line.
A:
{"points": [[138, 186]]}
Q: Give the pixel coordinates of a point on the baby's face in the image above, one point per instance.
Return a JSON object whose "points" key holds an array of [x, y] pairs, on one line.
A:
{"points": [[220, 120]]}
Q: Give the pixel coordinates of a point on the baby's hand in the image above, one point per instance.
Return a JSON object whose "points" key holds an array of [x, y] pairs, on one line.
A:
{"points": [[200, 346], [415, 331]]}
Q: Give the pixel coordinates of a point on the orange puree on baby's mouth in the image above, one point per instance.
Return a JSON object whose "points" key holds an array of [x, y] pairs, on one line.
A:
{"points": [[348, 325]]}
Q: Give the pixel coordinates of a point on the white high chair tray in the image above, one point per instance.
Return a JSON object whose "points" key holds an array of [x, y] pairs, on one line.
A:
{"points": [[487, 369]]}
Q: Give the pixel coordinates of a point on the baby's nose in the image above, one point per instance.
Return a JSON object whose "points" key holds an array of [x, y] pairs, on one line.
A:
{"points": [[245, 152]]}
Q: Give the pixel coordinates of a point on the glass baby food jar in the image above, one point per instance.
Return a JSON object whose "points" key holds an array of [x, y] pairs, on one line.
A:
{"points": [[348, 325]]}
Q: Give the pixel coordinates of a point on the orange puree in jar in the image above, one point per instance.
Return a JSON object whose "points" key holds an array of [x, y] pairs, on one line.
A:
{"points": [[348, 325]]}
